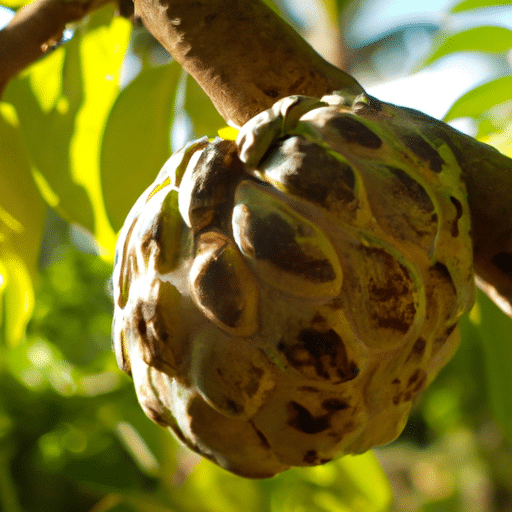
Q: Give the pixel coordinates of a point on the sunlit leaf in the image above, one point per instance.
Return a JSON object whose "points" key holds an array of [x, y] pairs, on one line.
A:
{"points": [[331, 9], [495, 330], [136, 140], [205, 118], [47, 97], [491, 39], [21, 224], [467, 5], [481, 98], [21, 207], [228, 133], [18, 296], [63, 102], [102, 45], [14, 4], [501, 140], [361, 470]]}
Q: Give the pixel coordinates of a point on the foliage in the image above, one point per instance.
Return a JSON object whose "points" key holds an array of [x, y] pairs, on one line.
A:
{"points": [[76, 150]]}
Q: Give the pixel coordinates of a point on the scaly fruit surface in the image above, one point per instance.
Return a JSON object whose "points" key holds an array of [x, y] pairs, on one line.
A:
{"points": [[281, 300]]}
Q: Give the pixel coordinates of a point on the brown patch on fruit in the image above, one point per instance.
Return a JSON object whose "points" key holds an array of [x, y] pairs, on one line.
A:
{"points": [[255, 375], [353, 131], [220, 292], [415, 384], [334, 404], [261, 436], [458, 215], [309, 389], [422, 149], [390, 292], [327, 179], [320, 354], [311, 457], [301, 419], [273, 239], [417, 351], [441, 340], [413, 190]]}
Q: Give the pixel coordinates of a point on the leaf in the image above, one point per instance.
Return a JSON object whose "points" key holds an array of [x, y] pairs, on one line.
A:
{"points": [[361, 470], [18, 296], [490, 39], [331, 9], [63, 101], [136, 140], [495, 330], [481, 98], [14, 4], [102, 47], [205, 118], [44, 108], [467, 5], [21, 226], [21, 207], [500, 139]]}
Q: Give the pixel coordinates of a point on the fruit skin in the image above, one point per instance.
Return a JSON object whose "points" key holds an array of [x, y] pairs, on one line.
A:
{"points": [[282, 299]]}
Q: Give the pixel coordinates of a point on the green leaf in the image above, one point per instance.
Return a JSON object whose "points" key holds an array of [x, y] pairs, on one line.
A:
{"points": [[495, 330], [62, 102], [102, 46], [490, 39], [361, 470], [44, 108], [205, 118], [17, 296], [481, 98], [136, 140], [14, 4], [21, 225], [21, 206], [331, 8], [467, 5]]}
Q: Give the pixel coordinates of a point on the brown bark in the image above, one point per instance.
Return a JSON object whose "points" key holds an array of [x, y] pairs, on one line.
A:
{"points": [[34, 30], [241, 53]]}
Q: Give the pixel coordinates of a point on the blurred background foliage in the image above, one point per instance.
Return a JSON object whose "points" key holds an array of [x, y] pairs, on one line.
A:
{"points": [[82, 133]]}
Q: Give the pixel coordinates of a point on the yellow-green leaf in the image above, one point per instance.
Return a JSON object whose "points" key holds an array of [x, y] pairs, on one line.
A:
{"points": [[495, 330], [63, 102], [205, 118], [136, 140], [22, 213], [47, 97], [22, 209], [467, 5], [17, 295], [102, 46], [481, 98], [490, 39]]}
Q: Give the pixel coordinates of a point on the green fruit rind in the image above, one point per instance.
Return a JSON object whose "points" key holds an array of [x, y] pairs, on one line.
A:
{"points": [[281, 300]]}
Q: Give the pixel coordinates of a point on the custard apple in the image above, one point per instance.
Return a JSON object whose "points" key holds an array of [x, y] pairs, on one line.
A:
{"points": [[282, 299]]}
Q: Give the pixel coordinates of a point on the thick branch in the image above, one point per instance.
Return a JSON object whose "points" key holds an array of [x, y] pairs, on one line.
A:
{"points": [[34, 30], [241, 53]]}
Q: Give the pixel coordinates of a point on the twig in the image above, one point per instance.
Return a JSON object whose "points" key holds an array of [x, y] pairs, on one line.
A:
{"points": [[35, 29]]}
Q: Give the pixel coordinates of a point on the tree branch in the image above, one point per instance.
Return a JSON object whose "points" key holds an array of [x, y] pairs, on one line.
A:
{"points": [[35, 29], [242, 54]]}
